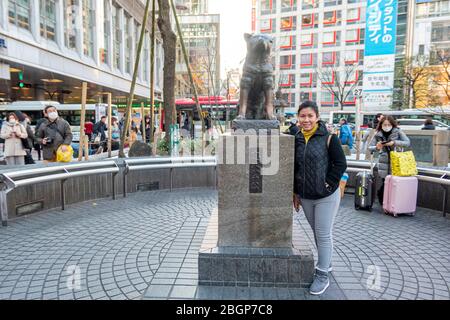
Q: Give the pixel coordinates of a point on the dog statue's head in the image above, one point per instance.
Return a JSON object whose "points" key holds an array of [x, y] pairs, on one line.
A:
{"points": [[258, 45]]}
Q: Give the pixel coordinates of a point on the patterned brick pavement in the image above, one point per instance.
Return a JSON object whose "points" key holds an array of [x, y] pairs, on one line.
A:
{"points": [[145, 246]]}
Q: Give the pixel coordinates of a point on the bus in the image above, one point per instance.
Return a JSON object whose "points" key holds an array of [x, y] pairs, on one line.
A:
{"points": [[70, 112], [436, 114]]}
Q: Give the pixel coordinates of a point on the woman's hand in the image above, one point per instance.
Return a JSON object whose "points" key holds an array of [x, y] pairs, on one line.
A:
{"points": [[296, 202], [379, 146], [389, 144]]}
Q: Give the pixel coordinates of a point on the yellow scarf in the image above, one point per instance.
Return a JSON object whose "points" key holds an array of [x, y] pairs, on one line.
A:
{"points": [[309, 134]]}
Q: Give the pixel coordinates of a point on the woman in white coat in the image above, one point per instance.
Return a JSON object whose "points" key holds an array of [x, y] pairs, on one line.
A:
{"points": [[12, 131]]}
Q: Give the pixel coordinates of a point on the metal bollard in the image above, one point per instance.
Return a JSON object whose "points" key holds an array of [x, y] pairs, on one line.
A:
{"points": [[444, 202], [63, 196], [4, 208]]}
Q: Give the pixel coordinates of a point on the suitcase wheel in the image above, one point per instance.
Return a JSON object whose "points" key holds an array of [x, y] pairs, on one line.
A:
{"points": [[357, 207]]}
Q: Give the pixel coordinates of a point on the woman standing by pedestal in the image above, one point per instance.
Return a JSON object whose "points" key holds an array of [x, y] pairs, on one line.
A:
{"points": [[319, 165]]}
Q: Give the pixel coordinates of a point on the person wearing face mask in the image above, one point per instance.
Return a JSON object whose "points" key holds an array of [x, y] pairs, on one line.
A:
{"points": [[12, 131], [319, 165], [387, 138], [52, 133]]}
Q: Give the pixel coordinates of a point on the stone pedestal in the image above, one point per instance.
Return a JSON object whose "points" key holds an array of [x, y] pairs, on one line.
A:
{"points": [[250, 240]]}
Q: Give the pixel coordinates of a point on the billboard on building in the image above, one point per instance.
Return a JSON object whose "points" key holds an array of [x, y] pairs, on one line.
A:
{"points": [[379, 54]]}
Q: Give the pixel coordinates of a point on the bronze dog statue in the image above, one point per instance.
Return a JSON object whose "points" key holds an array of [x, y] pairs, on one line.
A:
{"points": [[256, 97]]}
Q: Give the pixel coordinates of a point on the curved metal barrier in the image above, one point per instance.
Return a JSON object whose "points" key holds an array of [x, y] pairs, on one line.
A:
{"points": [[14, 179], [11, 180], [166, 163]]}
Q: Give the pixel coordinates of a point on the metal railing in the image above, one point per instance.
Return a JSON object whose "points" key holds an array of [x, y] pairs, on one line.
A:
{"points": [[170, 163], [14, 179], [441, 177]]}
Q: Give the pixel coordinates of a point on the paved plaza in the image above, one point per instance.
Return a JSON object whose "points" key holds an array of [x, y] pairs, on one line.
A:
{"points": [[146, 247]]}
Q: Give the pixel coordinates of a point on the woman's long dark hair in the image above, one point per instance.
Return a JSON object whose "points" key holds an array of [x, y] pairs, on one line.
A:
{"points": [[388, 118]]}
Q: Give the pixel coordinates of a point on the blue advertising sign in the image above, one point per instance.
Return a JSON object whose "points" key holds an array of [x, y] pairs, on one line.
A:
{"points": [[381, 27], [379, 54]]}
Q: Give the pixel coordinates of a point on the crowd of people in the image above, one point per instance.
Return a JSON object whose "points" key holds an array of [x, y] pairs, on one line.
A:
{"points": [[52, 132]]}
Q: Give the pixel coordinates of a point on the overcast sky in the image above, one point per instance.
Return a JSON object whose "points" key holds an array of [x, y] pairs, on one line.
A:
{"points": [[235, 16]]}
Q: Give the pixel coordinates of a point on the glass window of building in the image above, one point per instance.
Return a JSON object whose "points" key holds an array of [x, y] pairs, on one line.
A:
{"points": [[146, 57], [70, 20], [287, 81], [353, 15], [117, 33], [137, 35], [106, 32], [47, 9], [309, 4], [128, 43], [88, 28], [268, 25], [19, 13], [267, 6], [329, 3], [288, 5], [287, 43], [287, 62], [288, 24]]}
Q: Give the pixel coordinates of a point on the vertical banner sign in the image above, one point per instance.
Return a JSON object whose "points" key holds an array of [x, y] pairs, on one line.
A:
{"points": [[253, 15], [174, 139], [379, 54]]}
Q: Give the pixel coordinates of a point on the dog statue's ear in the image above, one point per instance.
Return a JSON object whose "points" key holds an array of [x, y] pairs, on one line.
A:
{"points": [[247, 36]]}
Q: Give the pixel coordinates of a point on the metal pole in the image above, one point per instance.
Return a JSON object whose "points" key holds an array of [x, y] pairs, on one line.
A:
{"points": [[358, 125], [113, 176], [4, 208], [409, 45], [143, 122], [152, 74], [63, 196], [82, 120], [109, 123], [171, 179], [444, 202], [125, 172]]}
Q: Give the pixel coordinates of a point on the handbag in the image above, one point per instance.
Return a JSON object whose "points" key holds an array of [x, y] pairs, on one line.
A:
{"points": [[26, 143], [29, 158], [66, 156], [403, 164]]}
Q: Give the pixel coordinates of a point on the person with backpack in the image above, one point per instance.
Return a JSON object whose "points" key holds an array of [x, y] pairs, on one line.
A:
{"points": [[318, 168], [53, 133], [100, 128], [345, 133]]}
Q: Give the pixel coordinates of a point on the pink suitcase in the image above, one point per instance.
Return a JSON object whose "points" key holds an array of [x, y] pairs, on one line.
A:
{"points": [[400, 195]]}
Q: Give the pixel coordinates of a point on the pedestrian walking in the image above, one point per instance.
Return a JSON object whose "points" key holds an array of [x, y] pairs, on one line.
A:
{"points": [[319, 165], [99, 129], [293, 128], [345, 133]]}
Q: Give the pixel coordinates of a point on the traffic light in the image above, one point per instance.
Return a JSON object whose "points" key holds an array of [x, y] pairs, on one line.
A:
{"points": [[21, 83]]}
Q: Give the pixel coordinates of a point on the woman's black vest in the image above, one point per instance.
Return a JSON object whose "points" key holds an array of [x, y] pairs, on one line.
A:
{"points": [[312, 163]]}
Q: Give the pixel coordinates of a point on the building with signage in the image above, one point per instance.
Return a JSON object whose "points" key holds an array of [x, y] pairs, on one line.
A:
{"points": [[319, 47], [432, 40], [54, 45], [201, 35]]}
